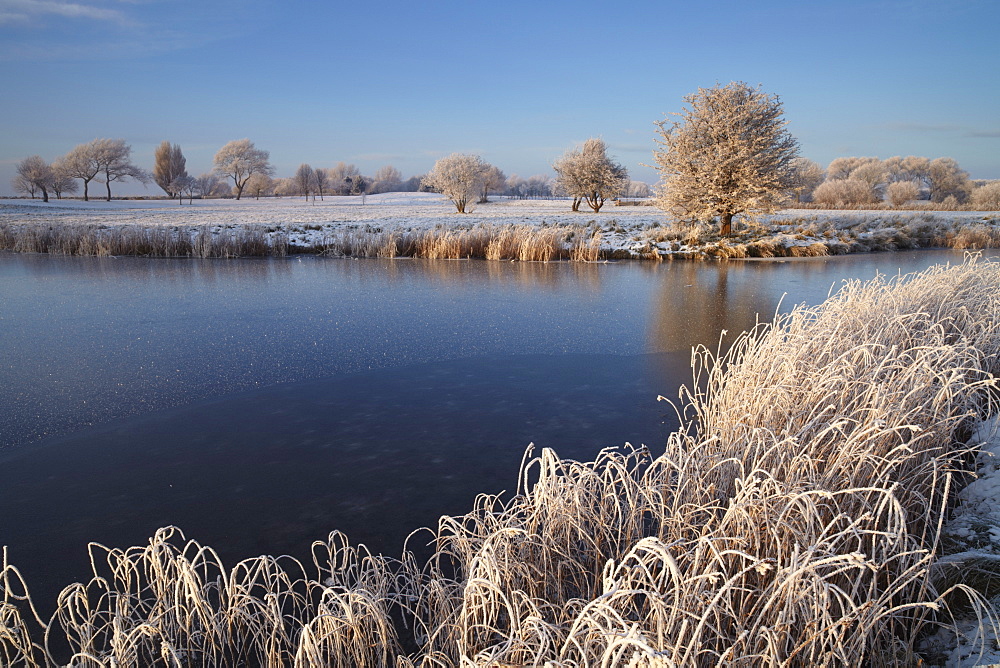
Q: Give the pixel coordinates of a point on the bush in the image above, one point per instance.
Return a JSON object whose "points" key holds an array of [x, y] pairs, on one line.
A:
{"points": [[901, 192], [843, 192]]}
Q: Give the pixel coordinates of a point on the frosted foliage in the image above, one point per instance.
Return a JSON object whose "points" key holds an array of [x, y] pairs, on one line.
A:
{"points": [[460, 178], [842, 168], [239, 160], [841, 192], [987, 197], [34, 175], [901, 192], [589, 174], [728, 153], [169, 167], [808, 175], [947, 179]]}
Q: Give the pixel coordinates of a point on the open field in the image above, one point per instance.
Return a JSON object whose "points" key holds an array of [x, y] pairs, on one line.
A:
{"points": [[425, 225], [800, 516]]}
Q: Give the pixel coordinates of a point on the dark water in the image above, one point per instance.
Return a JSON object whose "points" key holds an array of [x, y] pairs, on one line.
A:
{"points": [[260, 404]]}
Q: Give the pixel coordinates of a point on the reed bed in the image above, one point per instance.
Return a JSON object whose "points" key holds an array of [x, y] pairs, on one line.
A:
{"points": [[102, 240], [794, 519]]}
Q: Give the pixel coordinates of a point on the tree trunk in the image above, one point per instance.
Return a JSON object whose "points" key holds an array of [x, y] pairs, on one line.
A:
{"points": [[86, 182], [108, 183], [576, 204], [45, 194], [596, 202], [727, 225]]}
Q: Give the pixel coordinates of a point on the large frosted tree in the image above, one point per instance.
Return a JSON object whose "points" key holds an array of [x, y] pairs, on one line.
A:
{"points": [[460, 178], [169, 167], [587, 173], [239, 160], [728, 153]]}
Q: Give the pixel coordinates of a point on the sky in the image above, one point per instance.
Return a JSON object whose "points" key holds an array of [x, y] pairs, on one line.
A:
{"points": [[519, 83]]}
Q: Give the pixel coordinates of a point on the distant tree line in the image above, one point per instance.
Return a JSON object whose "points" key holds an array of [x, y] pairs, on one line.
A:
{"points": [[859, 181]]}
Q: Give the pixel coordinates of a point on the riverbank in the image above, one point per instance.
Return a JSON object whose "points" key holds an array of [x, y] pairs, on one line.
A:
{"points": [[424, 225], [795, 518]]}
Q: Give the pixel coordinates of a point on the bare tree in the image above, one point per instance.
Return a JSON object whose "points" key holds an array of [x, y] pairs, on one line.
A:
{"points": [[947, 179], [82, 163], [34, 171], [729, 154], [182, 185], [387, 179], [169, 165], [458, 177], [114, 160], [239, 160], [22, 185], [493, 182], [320, 179], [637, 189], [208, 185], [304, 179], [589, 174], [910, 168], [62, 180]]}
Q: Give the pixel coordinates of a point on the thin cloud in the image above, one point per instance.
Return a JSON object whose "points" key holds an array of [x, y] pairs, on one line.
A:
{"points": [[988, 134], [921, 127], [35, 11]]}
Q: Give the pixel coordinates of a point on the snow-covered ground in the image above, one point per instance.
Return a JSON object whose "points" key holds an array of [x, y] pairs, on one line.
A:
{"points": [[309, 222]]}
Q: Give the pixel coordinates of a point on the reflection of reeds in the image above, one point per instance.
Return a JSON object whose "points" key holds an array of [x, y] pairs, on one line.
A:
{"points": [[793, 519]]}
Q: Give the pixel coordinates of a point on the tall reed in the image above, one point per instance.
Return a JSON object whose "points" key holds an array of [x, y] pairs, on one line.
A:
{"points": [[793, 519]]}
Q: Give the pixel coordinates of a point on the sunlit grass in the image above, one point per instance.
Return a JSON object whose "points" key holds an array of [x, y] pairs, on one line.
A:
{"points": [[794, 519]]}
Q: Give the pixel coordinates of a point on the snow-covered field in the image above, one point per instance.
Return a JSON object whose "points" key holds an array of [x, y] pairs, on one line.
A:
{"points": [[309, 222]]}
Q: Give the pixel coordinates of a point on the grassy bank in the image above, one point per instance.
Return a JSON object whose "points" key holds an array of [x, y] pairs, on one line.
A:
{"points": [[506, 230], [794, 519]]}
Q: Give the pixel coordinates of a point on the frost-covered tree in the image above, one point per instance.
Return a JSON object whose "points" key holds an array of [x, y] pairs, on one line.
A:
{"points": [[386, 179], [910, 168], [342, 177], [169, 165], [259, 184], [304, 179], [493, 182], [987, 197], [458, 177], [947, 179], [239, 160], [82, 163], [34, 171], [842, 168], [114, 160], [62, 181], [728, 154], [843, 192], [807, 175], [588, 174], [900, 192]]}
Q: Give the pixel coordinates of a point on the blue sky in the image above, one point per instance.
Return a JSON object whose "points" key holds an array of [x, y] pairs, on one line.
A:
{"points": [[520, 82]]}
